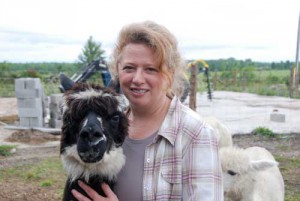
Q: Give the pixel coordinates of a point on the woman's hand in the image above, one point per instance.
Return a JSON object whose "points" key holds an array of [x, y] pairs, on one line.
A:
{"points": [[93, 194]]}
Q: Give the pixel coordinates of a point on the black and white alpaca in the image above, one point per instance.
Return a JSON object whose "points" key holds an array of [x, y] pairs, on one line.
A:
{"points": [[93, 131]]}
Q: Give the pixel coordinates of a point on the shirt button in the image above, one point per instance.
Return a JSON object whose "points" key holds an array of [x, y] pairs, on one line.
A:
{"points": [[147, 187], [148, 160]]}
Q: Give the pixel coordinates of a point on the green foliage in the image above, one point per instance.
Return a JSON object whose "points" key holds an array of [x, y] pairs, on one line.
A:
{"points": [[46, 183], [91, 51], [32, 73], [234, 75], [47, 173], [292, 196], [293, 162], [229, 74], [288, 167], [247, 73], [43, 171], [4, 69], [232, 63], [5, 150], [273, 79], [263, 131]]}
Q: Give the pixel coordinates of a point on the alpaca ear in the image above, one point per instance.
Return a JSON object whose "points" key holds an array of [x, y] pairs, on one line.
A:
{"points": [[261, 165], [65, 82]]}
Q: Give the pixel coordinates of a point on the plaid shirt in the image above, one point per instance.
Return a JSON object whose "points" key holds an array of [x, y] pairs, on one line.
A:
{"points": [[183, 161]]}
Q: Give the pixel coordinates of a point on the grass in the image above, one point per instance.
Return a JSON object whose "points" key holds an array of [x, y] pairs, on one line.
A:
{"points": [[263, 132], [48, 173], [5, 150], [289, 168], [264, 82], [49, 169]]}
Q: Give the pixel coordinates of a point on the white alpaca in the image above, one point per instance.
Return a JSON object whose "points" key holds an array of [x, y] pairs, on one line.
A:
{"points": [[222, 132], [251, 174]]}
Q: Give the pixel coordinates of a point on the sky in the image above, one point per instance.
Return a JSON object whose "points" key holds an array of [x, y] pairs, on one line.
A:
{"points": [[56, 30]]}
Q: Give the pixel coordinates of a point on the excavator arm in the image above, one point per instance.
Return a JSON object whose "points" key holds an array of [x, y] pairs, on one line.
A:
{"points": [[84, 73]]}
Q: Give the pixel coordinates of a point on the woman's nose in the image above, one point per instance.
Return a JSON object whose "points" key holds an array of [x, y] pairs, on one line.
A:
{"points": [[138, 77]]}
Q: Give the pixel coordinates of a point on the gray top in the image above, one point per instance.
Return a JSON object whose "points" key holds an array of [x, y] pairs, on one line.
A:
{"points": [[129, 184]]}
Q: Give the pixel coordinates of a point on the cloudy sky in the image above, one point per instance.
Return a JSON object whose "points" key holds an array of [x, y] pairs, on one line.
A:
{"points": [[56, 30]]}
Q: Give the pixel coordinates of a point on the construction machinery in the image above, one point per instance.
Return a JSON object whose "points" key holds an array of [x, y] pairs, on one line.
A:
{"points": [[85, 73], [205, 70]]}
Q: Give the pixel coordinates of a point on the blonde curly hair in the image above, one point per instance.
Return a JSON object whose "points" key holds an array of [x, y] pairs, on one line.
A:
{"points": [[165, 47]]}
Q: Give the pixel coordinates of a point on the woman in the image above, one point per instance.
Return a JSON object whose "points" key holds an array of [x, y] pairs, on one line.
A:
{"points": [[171, 154]]}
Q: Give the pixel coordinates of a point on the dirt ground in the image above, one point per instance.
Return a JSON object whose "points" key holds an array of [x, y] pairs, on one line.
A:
{"points": [[34, 146], [43, 145]]}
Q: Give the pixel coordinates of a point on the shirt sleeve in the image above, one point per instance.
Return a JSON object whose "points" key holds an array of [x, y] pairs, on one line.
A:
{"points": [[202, 174]]}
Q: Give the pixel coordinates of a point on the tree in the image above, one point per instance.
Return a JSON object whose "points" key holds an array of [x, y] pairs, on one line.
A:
{"points": [[91, 51]]}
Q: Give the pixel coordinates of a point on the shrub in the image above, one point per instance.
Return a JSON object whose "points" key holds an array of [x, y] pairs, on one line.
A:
{"points": [[263, 131], [5, 150]]}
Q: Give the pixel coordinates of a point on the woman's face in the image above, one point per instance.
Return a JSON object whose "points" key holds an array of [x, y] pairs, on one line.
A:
{"points": [[140, 79]]}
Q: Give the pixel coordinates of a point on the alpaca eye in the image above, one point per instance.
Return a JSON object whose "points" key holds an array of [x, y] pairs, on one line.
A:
{"points": [[115, 119], [231, 172]]}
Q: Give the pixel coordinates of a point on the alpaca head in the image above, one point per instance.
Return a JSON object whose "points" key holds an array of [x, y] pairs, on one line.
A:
{"points": [[93, 123]]}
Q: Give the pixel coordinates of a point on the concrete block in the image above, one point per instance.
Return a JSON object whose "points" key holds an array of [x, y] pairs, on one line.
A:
{"points": [[55, 123], [277, 117], [36, 122], [56, 98], [29, 102], [31, 122], [55, 115], [28, 88], [30, 112], [24, 121], [19, 83], [28, 93], [55, 107], [33, 83]]}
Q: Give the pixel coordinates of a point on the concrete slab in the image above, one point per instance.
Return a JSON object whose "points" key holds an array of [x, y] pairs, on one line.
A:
{"points": [[243, 112]]}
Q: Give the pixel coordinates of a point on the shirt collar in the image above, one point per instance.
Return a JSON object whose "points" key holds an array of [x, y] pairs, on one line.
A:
{"points": [[170, 125]]}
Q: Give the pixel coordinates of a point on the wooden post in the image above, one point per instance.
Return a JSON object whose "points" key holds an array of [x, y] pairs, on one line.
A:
{"points": [[297, 60], [215, 80], [295, 84], [291, 82], [193, 87], [234, 77]]}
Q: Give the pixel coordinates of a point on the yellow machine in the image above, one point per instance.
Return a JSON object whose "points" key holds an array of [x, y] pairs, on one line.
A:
{"points": [[206, 72], [205, 65]]}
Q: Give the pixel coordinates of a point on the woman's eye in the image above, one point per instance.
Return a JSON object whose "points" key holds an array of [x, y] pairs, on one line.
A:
{"points": [[128, 68], [152, 70]]}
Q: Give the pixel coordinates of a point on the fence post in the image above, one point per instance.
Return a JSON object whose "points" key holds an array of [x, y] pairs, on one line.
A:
{"points": [[235, 77], [292, 82], [193, 87], [215, 80], [295, 83]]}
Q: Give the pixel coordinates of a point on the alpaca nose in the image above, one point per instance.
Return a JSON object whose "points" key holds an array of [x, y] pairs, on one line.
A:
{"points": [[92, 134]]}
